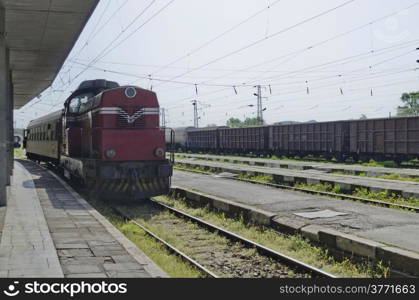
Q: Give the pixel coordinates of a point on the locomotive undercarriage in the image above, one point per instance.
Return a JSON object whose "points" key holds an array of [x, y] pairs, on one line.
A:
{"points": [[120, 180]]}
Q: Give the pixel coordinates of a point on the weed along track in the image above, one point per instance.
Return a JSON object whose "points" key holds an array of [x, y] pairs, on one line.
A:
{"points": [[213, 250]]}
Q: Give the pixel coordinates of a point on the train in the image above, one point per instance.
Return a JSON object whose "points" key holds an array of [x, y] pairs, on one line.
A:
{"points": [[380, 139], [108, 138]]}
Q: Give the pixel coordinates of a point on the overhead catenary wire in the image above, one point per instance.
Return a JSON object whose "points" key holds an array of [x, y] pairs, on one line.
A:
{"points": [[307, 20], [107, 49], [104, 52], [195, 85], [330, 39], [305, 69], [345, 33], [92, 33], [212, 40], [234, 88]]}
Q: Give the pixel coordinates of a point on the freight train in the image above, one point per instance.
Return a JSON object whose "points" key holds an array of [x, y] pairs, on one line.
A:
{"points": [[107, 137], [379, 139]]}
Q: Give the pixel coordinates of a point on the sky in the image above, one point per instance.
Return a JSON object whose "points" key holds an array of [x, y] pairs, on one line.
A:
{"points": [[315, 60]]}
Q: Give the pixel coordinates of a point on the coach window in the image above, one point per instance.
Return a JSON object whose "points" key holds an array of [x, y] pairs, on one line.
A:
{"points": [[57, 130], [49, 132]]}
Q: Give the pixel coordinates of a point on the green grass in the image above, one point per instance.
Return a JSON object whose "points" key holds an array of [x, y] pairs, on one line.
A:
{"points": [[185, 167], [171, 264], [258, 178], [312, 158], [385, 164], [294, 246], [363, 193], [386, 196], [399, 177], [394, 176], [322, 187]]}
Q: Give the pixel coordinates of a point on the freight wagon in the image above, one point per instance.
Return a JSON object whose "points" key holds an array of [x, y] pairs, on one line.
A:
{"points": [[386, 138], [243, 140], [328, 139], [203, 139], [389, 138]]}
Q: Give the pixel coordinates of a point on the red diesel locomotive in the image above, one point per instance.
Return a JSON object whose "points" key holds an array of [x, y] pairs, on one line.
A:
{"points": [[108, 137]]}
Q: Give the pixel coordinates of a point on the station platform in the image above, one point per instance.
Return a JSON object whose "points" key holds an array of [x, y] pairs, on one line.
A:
{"points": [[307, 165], [345, 182], [376, 232], [48, 230]]}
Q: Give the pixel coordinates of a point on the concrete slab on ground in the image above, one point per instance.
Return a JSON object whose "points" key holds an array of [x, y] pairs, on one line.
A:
{"points": [[390, 226], [306, 165], [346, 182]]}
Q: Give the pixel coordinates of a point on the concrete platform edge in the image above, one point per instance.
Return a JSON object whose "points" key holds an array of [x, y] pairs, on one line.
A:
{"points": [[304, 178], [400, 259], [130, 247]]}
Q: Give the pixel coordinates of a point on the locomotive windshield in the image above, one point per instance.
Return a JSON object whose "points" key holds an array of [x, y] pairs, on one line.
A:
{"points": [[76, 102]]}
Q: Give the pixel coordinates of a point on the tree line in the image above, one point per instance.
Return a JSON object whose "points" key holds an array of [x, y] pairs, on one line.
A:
{"points": [[409, 108]]}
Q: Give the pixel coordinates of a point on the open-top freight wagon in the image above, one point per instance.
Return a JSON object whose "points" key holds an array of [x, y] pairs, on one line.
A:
{"points": [[327, 139], [243, 140], [385, 138]]}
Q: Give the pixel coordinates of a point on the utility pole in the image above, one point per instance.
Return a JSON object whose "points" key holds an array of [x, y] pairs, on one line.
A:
{"points": [[163, 117], [195, 113], [259, 103]]}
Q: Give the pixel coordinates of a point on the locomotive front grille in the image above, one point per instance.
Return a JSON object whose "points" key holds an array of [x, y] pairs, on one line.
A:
{"points": [[130, 117]]}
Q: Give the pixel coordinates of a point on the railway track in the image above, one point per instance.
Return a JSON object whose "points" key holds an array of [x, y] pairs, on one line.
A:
{"points": [[215, 251], [328, 194]]}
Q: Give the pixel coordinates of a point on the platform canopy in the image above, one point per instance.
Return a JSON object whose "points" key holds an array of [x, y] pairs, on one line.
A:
{"points": [[40, 34]]}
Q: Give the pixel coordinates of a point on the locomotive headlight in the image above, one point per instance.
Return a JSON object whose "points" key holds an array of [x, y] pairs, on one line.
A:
{"points": [[130, 92], [159, 152], [110, 153]]}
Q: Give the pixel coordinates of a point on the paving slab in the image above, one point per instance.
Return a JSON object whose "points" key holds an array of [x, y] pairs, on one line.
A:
{"points": [[50, 231], [26, 253]]}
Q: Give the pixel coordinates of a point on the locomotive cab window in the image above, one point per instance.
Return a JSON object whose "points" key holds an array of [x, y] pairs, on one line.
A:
{"points": [[76, 102]]}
